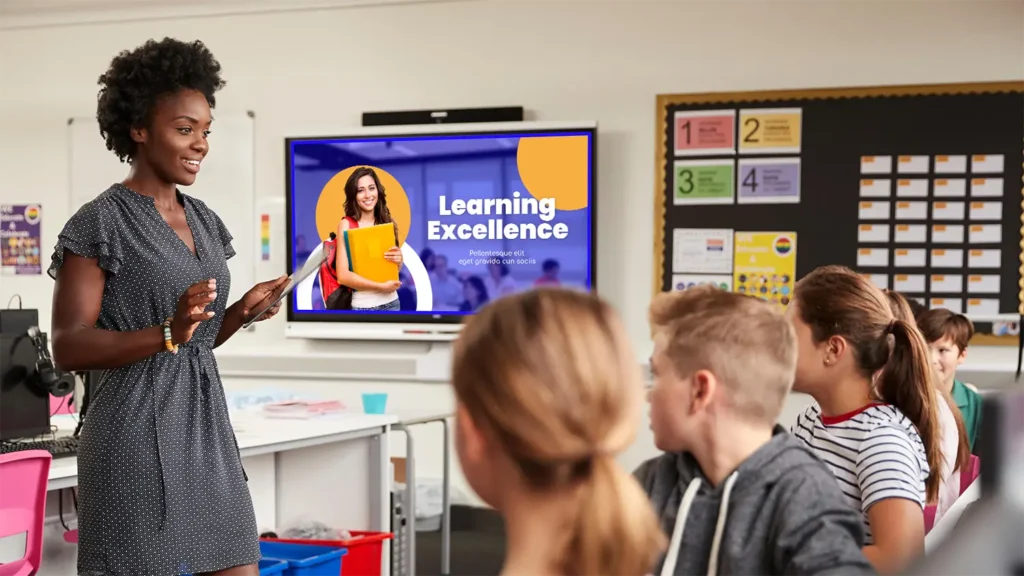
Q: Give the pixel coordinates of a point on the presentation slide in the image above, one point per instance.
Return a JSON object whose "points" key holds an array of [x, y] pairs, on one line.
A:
{"points": [[439, 224]]}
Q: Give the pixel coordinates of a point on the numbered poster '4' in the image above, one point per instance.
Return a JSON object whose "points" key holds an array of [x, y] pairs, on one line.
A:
{"points": [[768, 181]]}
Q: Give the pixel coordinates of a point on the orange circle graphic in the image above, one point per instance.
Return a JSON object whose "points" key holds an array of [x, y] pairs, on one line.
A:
{"points": [[330, 207], [555, 167]]}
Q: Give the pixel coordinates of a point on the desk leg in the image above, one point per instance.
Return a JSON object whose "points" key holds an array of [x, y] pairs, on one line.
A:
{"points": [[380, 494], [410, 503], [446, 520]]}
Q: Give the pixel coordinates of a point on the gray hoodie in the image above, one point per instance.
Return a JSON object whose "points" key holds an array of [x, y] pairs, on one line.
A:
{"points": [[779, 512]]}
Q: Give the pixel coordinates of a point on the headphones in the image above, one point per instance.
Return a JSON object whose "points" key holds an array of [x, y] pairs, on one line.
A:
{"points": [[48, 378]]}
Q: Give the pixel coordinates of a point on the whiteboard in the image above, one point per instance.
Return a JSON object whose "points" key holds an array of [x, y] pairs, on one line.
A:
{"points": [[227, 182]]}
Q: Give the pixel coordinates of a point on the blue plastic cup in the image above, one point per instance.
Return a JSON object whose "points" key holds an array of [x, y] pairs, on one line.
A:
{"points": [[375, 403]]}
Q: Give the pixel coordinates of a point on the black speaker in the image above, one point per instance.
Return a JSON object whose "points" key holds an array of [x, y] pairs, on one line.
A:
{"points": [[449, 116]]}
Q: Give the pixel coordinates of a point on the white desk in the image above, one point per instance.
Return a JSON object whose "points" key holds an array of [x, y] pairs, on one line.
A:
{"points": [[334, 469]]}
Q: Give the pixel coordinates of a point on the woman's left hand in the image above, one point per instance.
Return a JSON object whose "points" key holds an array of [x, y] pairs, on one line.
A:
{"points": [[254, 299], [394, 254]]}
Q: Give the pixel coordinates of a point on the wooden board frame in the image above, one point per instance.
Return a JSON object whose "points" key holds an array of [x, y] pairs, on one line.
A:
{"points": [[664, 101]]}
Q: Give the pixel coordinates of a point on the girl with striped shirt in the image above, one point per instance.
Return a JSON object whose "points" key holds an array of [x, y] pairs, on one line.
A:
{"points": [[879, 435]]}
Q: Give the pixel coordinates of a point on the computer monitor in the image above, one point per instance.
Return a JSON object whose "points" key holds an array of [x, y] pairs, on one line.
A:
{"points": [[24, 407]]}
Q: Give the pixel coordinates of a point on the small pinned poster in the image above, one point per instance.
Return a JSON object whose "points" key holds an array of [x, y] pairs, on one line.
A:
{"points": [[765, 265], [703, 182], [20, 238], [682, 282], [770, 130], [768, 181], [705, 132]]}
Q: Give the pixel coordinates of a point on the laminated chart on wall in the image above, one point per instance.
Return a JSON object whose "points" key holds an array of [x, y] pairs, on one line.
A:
{"points": [[919, 188]]}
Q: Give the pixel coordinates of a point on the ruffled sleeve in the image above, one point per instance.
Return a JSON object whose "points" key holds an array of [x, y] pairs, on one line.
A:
{"points": [[224, 235], [91, 233]]}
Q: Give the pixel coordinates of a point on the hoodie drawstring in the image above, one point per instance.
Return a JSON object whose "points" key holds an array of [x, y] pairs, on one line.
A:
{"points": [[672, 557]]}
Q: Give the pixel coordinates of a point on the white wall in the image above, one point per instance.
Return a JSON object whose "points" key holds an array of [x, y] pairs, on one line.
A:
{"points": [[306, 72]]}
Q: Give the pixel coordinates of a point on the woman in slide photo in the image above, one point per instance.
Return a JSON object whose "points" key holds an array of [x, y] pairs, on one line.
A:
{"points": [[366, 205], [141, 293]]}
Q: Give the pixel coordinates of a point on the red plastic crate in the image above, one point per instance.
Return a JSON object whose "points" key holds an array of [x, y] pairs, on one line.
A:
{"points": [[364, 551]]}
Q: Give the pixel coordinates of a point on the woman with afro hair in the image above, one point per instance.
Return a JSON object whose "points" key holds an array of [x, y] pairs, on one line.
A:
{"points": [[141, 294]]}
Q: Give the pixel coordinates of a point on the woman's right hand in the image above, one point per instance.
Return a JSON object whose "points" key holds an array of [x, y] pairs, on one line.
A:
{"points": [[390, 286], [191, 310]]}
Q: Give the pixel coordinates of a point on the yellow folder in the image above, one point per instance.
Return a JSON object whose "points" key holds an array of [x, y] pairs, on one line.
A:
{"points": [[366, 247]]}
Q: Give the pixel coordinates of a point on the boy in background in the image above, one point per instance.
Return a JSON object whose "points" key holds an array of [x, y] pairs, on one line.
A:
{"points": [[750, 498], [948, 334]]}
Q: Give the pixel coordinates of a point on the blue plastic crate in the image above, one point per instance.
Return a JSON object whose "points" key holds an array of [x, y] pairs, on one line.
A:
{"points": [[305, 559], [268, 567]]}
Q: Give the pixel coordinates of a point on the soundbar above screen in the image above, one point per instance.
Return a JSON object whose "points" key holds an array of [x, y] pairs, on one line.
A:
{"points": [[477, 211]]}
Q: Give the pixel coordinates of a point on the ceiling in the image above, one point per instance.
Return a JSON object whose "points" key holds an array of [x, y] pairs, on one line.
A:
{"points": [[41, 13]]}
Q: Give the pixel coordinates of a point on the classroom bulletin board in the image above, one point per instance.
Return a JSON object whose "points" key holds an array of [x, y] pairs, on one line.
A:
{"points": [[921, 188]]}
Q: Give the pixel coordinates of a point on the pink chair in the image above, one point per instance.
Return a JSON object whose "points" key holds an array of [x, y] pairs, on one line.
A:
{"points": [[24, 476], [970, 474], [929, 517]]}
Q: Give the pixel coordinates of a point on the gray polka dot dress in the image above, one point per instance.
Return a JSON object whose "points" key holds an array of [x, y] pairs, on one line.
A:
{"points": [[161, 485]]}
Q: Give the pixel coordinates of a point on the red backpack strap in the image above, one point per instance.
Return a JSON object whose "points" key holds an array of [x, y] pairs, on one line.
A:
{"points": [[352, 222]]}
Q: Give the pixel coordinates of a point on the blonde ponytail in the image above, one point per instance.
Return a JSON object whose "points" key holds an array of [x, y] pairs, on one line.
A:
{"points": [[615, 532], [549, 377]]}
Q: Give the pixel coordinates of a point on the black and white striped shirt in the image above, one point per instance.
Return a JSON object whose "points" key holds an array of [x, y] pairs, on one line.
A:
{"points": [[875, 453]]}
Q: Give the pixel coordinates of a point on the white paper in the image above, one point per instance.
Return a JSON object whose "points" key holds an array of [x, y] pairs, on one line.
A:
{"points": [[874, 210], [875, 188], [911, 210], [950, 188], [909, 257], [947, 258], [986, 188], [683, 281], [987, 164], [873, 257], [983, 284], [908, 282], [984, 258], [702, 250], [948, 210], [911, 233], [875, 164], [880, 280], [912, 188], [947, 283], [986, 210], [912, 165], [948, 234], [986, 233], [983, 306], [951, 304], [867, 233], [950, 164]]}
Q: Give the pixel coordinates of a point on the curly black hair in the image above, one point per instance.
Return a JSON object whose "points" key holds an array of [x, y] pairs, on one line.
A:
{"points": [[136, 79]]}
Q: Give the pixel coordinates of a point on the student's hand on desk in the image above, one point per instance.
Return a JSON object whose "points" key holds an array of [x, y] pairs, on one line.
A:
{"points": [[394, 254], [254, 299]]}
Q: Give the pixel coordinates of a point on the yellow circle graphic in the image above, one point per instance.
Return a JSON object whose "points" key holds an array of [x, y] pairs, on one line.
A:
{"points": [[330, 207], [555, 167]]}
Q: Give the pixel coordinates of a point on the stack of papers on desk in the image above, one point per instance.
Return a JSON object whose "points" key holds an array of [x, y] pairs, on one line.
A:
{"points": [[302, 408]]}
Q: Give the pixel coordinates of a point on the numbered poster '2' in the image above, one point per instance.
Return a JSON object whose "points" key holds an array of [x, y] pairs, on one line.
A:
{"points": [[864, 177]]}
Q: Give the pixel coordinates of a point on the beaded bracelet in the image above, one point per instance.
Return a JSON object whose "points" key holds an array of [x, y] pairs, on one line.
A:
{"points": [[171, 346]]}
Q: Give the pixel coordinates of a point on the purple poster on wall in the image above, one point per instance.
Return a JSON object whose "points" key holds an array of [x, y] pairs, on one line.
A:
{"points": [[20, 237]]}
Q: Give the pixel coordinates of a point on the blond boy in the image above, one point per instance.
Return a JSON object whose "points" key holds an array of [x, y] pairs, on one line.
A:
{"points": [[750, 498]]}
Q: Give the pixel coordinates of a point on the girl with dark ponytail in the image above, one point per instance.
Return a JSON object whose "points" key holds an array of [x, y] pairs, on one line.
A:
{"points": [[875, 417]]}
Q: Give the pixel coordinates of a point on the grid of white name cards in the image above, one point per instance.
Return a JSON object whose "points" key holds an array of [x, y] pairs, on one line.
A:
{"points": [[953, 206]]}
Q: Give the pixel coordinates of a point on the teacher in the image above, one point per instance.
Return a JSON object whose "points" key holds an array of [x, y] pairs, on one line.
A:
{"points": [[141, 293]]}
